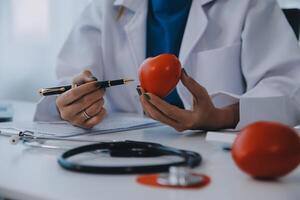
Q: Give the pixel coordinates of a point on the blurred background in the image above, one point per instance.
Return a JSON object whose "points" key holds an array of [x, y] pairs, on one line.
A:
{"points": [[32, 33]]}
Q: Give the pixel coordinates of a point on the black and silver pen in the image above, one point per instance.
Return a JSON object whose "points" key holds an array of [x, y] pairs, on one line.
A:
{"points": [[99, 84]]}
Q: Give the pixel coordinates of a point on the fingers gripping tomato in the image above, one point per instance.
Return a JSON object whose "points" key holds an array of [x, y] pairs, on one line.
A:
{"points": [[159, 75]]}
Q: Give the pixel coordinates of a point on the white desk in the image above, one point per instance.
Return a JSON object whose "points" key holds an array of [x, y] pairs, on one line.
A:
{"points": [[29, 173]]}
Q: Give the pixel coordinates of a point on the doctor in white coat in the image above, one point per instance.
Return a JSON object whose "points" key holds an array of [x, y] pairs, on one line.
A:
{"points": [[241, 61]]}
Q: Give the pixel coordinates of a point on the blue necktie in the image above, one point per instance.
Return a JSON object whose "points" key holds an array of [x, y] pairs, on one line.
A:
{"points": [[165, 28]]}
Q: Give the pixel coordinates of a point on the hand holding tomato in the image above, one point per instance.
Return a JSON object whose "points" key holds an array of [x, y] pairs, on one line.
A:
{"points": [[160, 75], [267, 150], [158, 79]]}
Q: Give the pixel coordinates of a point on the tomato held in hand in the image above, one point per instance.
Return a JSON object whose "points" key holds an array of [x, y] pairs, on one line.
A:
{"points": [[267, 150], [160, 75]]}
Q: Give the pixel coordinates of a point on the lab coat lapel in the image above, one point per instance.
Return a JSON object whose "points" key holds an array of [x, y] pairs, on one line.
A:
{"points": [[195, 28], [135, 27]]}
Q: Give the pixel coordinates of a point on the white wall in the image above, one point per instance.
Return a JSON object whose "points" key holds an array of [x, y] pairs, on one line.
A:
{"points": [[31, 34]]}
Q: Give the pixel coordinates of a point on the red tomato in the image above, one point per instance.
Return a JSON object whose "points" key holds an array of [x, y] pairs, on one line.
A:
{"points": [[160, 75], [267, 150]]}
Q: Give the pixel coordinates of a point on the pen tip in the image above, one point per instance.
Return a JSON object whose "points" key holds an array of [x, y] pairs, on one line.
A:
{"points": [[128, 80]]}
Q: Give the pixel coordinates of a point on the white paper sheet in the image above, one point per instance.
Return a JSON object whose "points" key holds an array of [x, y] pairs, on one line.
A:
{"points": [[226, 138], [113, 123]]}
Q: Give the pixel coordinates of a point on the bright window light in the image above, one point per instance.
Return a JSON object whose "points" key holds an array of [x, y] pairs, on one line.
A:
{"points": [[30, 18]]}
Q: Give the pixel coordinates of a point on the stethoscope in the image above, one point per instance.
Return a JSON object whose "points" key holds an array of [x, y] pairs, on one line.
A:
{"points": [[28, 138], [177, 173], [129, 149]]}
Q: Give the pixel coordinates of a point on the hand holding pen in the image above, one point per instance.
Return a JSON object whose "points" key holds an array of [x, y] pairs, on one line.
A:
{"points": [[82, 106], [99, 84]]}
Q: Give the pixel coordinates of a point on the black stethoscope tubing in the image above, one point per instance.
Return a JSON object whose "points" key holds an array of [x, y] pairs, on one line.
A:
{"points": [[129, 149]]}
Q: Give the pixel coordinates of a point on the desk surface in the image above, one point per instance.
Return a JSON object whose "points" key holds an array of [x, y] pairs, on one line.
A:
{"points": [[31, 173]]}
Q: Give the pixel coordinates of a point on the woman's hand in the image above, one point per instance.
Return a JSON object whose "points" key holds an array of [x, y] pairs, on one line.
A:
{"points": [[82, 106], [204, 115]]}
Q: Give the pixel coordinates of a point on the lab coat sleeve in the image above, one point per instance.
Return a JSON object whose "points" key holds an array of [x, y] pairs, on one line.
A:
{"points": [[82, 50], [270, 60]]}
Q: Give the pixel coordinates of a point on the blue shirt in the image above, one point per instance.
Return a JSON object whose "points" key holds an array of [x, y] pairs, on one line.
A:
{"points": [[166, 23]]}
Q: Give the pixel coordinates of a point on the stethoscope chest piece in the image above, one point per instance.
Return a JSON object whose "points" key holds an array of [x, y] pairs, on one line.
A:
{"points": [[179, 177]]}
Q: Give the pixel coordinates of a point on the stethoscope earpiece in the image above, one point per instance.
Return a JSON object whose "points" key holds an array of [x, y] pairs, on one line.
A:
{"points": [[14, 139], [26, 135]]}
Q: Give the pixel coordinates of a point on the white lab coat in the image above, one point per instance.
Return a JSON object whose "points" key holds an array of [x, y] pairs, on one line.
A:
{"points": [[240, 51]]}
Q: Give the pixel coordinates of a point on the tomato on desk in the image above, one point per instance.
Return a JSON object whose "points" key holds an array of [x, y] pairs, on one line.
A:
{"points": [[267, 150], [159, 75]]}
